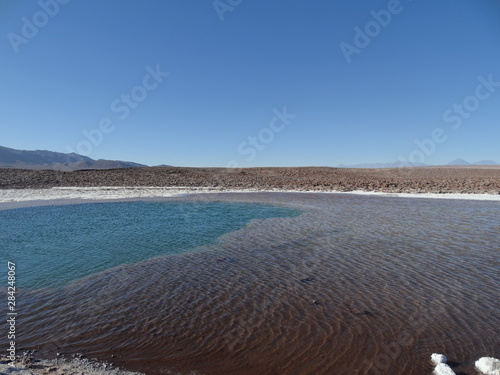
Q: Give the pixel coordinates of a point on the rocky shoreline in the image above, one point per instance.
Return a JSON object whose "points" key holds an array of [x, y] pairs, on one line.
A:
{"points": [[464, 180], [27, 364]]}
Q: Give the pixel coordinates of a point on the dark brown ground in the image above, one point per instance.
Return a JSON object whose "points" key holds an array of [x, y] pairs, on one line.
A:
{"points": [[470, 179]]}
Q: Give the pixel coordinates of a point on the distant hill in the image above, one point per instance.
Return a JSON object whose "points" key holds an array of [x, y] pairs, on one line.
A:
{"points": [[485, 162], [465, 162], [399, 164], [459, 162], [41, 159]]}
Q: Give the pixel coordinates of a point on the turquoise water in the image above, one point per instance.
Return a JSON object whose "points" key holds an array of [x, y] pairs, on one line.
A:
{"points": [[55, 245]]}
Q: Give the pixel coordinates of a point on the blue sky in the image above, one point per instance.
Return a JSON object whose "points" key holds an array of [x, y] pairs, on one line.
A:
{"points": [[252, 83]]}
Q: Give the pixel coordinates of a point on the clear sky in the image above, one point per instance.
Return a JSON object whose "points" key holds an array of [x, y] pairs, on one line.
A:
{"points": [[252, 82]]}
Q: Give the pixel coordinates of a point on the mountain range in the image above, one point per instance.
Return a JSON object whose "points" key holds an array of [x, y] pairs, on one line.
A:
{"points": [[399, 164], [41, 159]]}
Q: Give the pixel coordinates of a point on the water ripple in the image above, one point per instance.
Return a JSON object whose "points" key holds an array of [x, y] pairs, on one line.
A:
{"points": [[353, 285]]}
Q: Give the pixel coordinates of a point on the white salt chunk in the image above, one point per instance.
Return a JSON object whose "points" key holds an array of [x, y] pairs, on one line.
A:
{"points": [[438, 358], [488, 365], [443, 369]]}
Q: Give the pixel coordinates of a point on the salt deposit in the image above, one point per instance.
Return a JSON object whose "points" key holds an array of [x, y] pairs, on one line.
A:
{"points": [[488, 365], [443, 369], [113, 192], [438, 358]]}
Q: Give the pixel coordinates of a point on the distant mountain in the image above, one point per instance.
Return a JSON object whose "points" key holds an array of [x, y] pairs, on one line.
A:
{"points": [[459, 162], [465, 162], [400, 164], [485, 162], [397, 164], [40, 159]]}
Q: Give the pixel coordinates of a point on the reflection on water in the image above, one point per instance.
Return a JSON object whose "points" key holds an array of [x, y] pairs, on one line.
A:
{"points": [[353, 285]]}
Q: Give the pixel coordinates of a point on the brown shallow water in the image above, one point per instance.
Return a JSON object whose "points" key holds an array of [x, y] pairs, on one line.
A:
{"points": [[354, 285]]}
